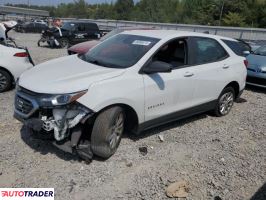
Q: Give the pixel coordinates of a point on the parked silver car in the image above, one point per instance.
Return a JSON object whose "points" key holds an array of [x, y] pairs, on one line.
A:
{"points": [[257, 67]]}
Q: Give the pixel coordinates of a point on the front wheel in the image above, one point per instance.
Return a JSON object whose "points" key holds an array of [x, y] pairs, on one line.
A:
{"points": [[225, 102], [107, 132], [5, 81]]}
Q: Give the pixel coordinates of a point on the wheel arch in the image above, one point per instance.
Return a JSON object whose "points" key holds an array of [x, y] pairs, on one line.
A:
{"points": [[235, 86], [131, 118], [7, 71]]}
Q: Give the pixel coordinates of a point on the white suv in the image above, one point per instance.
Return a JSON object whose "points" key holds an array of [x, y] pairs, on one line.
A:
{"points": [[131, 82]]}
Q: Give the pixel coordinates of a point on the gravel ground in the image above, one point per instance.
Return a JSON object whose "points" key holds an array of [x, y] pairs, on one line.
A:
{"points": [[220, 158]]}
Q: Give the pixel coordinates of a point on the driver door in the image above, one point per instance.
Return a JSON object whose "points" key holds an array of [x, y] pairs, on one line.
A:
{"points": [[168, 93]]}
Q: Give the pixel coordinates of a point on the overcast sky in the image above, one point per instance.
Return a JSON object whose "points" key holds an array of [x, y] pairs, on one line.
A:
{"points": [[49, 2]]}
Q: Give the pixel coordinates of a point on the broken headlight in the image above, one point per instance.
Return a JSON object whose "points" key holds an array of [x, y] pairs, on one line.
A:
{"points": [[62, 99]]}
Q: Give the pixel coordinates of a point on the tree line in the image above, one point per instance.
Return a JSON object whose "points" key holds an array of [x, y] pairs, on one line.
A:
{"points": [[243, 13]]}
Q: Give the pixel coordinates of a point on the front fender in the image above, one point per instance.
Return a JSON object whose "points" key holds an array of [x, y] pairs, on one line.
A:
{"points": [[127, 90]]}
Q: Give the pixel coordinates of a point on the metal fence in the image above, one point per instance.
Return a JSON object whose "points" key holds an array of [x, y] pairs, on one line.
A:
{"points": [[233, 32], [252, 34], [22, 11]]}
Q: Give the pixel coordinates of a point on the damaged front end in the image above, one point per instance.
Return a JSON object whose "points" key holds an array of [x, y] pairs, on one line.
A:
{"points": [[59, 116]]}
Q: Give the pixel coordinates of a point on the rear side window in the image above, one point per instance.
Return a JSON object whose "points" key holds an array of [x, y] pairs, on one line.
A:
{"points": [[207, 50], [237, 47], [91, 27]]}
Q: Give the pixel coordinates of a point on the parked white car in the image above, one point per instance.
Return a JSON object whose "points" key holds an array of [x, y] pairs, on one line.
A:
{"points": [[131, 82], [14, 61]]}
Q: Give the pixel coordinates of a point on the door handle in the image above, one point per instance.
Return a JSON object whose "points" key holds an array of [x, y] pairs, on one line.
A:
{"points": [[188, 74], [226, 66]]}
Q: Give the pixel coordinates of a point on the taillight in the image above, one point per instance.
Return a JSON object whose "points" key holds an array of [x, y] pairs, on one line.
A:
{"points": [[246, 63], [21, 54]]}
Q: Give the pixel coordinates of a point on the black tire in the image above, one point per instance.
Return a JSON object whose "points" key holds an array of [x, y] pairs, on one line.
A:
{"points": [[39, 42], [64, 43], [218, 111], [104, 140], [5, 81]]}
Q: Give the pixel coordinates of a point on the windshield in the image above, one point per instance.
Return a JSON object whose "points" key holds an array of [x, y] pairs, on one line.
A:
{"points": [[68, 26], [110, 34], [261, 51], [120, 51]]}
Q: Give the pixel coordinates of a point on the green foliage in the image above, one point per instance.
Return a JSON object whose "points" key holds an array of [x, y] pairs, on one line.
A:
{"points": [[206, 12], [234, 19], [123, 9]]}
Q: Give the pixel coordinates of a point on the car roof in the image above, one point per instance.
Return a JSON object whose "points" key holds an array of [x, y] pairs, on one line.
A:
{"points": [[124, 28], [162, 34], [80, 22]]}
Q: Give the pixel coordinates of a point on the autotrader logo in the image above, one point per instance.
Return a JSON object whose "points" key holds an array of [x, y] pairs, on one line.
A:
{"points": [[26, 193]]}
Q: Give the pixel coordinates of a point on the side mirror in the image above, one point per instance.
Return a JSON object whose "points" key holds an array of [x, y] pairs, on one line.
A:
{"points": [[246, 53], [157, 67]]}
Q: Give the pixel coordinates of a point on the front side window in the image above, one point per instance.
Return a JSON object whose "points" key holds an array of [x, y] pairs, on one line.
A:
{"points": [[207, 50], [69, 26], [174, 53], [120, 51]]}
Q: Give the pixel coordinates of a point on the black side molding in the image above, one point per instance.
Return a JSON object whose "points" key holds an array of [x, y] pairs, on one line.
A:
{"points": [[177, 116]]}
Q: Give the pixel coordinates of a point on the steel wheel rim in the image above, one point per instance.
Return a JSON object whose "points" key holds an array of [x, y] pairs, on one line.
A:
{"points": [[226, 103], [3, 81], [117, 130]]}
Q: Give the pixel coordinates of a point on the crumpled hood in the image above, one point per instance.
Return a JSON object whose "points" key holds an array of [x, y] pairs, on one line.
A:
{"points": [[65, 75]]}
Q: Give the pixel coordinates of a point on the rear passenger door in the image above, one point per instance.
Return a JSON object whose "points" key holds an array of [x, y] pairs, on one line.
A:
{"points": [[80, 34], [211, 69], [92, 31]]}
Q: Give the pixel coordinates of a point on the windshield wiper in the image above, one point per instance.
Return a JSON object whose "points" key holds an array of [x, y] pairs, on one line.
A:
{"points": [[97, 62]]}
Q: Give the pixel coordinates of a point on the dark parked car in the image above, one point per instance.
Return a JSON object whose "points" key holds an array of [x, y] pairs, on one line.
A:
{"points": [[71, 33], [257, 68], [31, 27], [83, 47]]}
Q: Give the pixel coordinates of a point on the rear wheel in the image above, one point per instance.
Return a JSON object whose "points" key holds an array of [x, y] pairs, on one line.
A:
{"points": [[225, 102], [107, 132], [5, 81]]}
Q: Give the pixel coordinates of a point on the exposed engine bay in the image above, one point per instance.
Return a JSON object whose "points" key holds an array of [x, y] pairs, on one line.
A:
{"points": [[62, 121], [63, 124]]}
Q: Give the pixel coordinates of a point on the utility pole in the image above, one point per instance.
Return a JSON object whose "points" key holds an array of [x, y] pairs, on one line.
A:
{"points": [[28, 3], [221, 13]]}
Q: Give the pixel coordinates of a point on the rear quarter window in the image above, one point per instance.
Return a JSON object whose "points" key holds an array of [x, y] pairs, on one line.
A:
{"points": [[237, 47], [207, 50]]}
